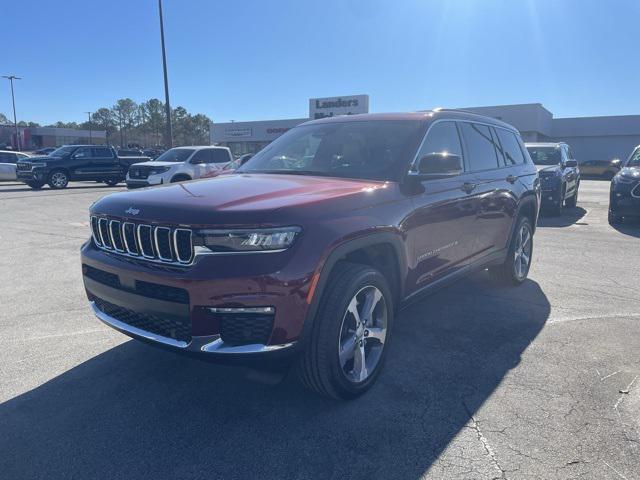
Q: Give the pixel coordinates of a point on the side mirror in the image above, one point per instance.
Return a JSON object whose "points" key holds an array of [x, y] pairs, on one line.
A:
{"points": [[245, 159], [439, 165], [571, 163]]}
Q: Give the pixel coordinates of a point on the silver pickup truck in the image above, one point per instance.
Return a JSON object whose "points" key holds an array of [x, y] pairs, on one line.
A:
{"points": [[8, 161]]}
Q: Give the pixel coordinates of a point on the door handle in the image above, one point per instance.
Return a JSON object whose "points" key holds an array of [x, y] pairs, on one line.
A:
{"points": [[468, 187], [512, 179]]}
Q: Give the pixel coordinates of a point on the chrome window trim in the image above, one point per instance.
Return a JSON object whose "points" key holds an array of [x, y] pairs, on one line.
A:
{"points": [[135, 239], [155, 239], [113, 243], [413, 163], [140, 226]]}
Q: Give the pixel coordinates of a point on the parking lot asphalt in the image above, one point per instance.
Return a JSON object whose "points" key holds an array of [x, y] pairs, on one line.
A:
{"points": [[481, 382]]}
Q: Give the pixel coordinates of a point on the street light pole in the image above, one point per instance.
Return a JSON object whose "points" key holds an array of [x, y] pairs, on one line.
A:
{"points": [[167, 106], [89, 116], [11, 78]]}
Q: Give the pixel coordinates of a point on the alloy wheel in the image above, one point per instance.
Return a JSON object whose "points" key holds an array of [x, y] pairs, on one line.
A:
{"points": [[362, 334], [522, 253], [59, 179]]}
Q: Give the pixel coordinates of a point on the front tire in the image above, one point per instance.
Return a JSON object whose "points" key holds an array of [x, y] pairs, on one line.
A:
{"points": [[58, 180], [180, 178], [557, 209], [35, 185], [573, 201], [350, 332], [516, 266]]}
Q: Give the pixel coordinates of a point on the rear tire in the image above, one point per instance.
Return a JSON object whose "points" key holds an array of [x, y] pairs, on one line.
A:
{"points": [[58, 179], [344, 356], [516, 266], [113, 182]]}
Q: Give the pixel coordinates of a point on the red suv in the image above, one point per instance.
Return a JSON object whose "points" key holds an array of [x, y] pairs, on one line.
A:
{"points": [[305, 253]]}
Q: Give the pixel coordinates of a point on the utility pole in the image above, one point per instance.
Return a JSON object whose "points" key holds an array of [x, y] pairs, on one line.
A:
{"points": [[89, 116], [167, 106], [11, 78]]}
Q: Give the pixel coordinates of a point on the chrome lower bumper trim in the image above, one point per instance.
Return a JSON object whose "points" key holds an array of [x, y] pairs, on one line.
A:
{"points": [[204, 344]]}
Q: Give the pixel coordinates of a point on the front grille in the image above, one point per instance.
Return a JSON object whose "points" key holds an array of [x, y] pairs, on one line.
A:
{"points": [[23, 167], [160, 244], [636, 191], [176, 328], [139, 173], [245, 328]]}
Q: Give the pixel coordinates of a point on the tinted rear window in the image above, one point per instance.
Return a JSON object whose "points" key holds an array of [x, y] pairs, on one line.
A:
{"points": [[481, 151], [510, 147]]}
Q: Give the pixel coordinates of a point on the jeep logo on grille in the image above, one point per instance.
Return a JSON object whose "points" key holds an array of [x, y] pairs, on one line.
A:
{"points": [[132, 211]]}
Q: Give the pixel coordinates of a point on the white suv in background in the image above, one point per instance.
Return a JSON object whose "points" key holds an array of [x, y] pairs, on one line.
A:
{"points": [[177, 165]]}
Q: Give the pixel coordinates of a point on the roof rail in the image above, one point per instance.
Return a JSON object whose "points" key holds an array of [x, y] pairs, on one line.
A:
{"points": [[444, 109]]}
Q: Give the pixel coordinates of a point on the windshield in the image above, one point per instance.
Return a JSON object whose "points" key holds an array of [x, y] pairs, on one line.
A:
{"points": [[634, 159], [545, 155], [62, 151], [177, 155], [373, 150]]}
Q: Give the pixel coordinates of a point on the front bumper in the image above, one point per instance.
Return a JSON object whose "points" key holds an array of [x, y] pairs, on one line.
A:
{"points": [[35, 175], [621, 200], [141, 183], [550, 196], [116, 290]]}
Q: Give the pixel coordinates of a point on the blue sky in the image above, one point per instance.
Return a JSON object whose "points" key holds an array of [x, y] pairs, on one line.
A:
{"points": [[252, 59]]}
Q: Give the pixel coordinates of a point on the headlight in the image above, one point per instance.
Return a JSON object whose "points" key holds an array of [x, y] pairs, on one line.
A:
{"points": [[158, 170], [254, 240]]}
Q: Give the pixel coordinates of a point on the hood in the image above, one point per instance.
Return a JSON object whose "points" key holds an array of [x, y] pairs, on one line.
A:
{"points": [[630, 172], [547, 168], [39, 158], [156, 164], [244, 199]]}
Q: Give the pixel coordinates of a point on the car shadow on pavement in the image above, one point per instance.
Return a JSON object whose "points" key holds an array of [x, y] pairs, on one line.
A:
{"points": [[139, 412], [630, 226], [570, 216]]}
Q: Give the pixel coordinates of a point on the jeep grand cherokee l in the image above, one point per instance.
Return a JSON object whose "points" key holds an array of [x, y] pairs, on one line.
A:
{"points": [[306, 252]]}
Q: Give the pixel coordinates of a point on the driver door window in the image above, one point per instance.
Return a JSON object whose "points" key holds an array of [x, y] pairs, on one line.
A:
{"points": [[442, 139]]}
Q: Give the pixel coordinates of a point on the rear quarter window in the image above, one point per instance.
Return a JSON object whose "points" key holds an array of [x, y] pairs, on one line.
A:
{"points": [[511, 150]]}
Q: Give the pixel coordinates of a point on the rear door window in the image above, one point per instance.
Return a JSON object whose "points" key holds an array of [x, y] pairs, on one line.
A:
{"points": [[102, 152], [219, 155], [510, 147], [481, 151]]}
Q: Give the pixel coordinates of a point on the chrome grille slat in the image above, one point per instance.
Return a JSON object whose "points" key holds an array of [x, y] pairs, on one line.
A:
{"points": [[131, 247], [103, 228], [115, 232], [159, 244]]}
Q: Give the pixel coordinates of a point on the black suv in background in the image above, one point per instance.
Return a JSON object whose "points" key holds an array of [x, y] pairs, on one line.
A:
{"points": [[624, 198], [76, 163], [559, 174]]}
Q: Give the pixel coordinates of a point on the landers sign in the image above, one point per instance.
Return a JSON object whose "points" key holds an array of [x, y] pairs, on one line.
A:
{"points": [[329, 107]]}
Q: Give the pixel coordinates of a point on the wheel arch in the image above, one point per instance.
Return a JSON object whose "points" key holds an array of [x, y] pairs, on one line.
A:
{"points": [[383, 251], [180, 177]]}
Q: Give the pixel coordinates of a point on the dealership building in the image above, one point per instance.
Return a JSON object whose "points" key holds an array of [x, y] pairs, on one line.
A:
{"points": [[592, 138], [31, 138]]}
